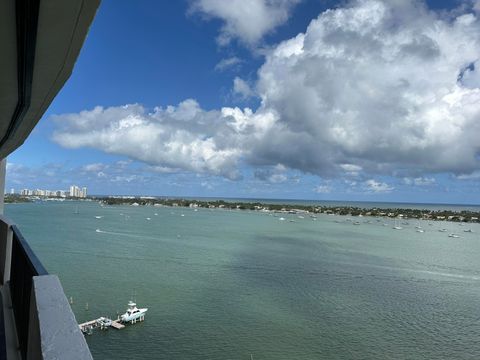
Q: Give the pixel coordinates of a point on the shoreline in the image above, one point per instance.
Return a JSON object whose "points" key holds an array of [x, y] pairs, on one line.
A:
{"points": [[466, 216], [399, 213]]}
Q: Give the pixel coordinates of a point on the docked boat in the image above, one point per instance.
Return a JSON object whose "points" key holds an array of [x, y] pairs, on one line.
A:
{"points": [[133, 314], [453, 236]]}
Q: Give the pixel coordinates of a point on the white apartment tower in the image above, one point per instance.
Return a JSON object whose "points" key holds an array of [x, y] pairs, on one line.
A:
{"points": [[75, 191]]}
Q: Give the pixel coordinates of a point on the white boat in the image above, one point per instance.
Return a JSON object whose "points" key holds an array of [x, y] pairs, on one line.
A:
{"points": [[104, 322], [443, 230], [133, 314], [98, 217], [453, 236], [420, 230], [282, 219], [468, 230]]}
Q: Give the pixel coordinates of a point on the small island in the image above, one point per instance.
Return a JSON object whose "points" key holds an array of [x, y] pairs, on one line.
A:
{"points": [[16, 199], [420, 214]]}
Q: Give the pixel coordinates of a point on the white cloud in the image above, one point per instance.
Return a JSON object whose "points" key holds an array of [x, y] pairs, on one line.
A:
{"points": [[95, 167], [228, 63], [185, 137], [351, 167], [419, 181], [323, 189], [246, 20], [164, 169], [378, 187], [370, 88], [278, 178], [374, 84], [241, 87], [473, 176]]}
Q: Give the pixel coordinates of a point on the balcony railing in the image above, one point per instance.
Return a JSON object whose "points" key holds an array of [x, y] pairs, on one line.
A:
{"points": [[42, 325], [25, 265]]}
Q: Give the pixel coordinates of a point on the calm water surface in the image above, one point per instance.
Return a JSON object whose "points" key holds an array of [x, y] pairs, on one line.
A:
{"points": [[230, 284]]}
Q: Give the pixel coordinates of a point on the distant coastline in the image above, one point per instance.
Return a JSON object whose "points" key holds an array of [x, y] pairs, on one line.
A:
{"points": [[464, 213], [295, 208]]}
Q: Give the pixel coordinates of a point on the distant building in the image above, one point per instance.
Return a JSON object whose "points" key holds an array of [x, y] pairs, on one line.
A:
{"points": [[75, 191]]}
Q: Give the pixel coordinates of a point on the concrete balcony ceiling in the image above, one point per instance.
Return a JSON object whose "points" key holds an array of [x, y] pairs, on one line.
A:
{"points": [[40, 41]]}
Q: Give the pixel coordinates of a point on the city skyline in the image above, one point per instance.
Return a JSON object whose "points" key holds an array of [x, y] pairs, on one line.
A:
{"points": [[74, 191], [271, 107]]}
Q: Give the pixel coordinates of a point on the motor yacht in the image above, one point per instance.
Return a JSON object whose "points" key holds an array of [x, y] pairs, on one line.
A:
{"points": [[133, 314]]}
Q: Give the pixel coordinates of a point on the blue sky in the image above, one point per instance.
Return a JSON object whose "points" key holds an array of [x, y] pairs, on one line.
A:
{"points": [[268, 99]]}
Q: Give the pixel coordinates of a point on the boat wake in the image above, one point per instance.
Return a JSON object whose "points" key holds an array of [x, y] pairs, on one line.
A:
{"points": [[125, 234]]}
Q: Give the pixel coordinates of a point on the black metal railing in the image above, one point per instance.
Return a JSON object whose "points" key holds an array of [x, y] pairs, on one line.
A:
{"points": [[24, 266]]}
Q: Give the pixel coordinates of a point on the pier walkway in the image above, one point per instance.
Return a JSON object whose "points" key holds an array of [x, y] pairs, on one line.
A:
{"points": [[102, 323]]}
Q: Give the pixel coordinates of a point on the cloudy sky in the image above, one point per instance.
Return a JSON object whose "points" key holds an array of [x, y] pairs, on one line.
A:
{"points": [[313, 99]]}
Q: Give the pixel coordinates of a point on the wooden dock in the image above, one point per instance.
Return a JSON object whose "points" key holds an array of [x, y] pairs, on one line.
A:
{"points": [[117, 325], [102, 322], [88, 323]]}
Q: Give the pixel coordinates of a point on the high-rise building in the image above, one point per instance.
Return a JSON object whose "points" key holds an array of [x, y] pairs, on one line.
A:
{"points": [[78, 192]]}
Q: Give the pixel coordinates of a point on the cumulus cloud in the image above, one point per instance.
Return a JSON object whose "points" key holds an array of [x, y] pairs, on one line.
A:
{"points": [[373, 88], [378, 187], [246, 20], [184, 137], [374, 84], [473, 176], [273, 175], [241, 88], [419, 181]]}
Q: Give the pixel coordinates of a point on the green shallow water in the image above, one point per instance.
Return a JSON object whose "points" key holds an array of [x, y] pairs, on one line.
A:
{"points": [[228, 285]]}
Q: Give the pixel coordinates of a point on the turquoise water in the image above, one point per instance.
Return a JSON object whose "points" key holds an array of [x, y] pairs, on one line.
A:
{"points": [[231, 285]]}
